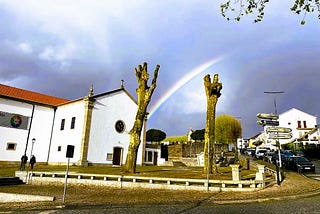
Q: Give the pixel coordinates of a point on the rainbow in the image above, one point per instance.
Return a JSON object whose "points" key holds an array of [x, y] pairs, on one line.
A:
{"points": [[184, 80]]}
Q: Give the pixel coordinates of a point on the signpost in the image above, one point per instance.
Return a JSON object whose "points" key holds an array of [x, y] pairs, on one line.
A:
{"points": [[279, 135], [271, 120], [268, 116], [268, 122], [69, 154], [277, 124], [279, 129]]}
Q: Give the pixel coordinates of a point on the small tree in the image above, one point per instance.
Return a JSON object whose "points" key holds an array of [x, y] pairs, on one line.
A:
{"points": [[155, 135], [228, 130], [144, 93], [198, 135]]}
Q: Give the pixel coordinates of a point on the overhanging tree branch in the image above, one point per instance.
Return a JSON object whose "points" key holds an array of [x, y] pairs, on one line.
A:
{"points": [[240, 8]]}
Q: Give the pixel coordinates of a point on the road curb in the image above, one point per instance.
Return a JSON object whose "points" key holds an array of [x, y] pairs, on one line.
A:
{"points": [[259, 200], [13, 197]]}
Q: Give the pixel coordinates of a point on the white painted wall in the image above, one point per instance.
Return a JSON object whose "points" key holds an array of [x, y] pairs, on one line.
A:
{"points": [[45, 128], [39, 129], [103, 137], [290, 119], [68, 136], [150, 155]]}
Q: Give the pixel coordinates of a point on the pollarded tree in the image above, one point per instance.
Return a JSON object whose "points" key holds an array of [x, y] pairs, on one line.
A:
{"points": [[228, 130], [155, 135], [212, 90], [244, 7], [144, 93]]}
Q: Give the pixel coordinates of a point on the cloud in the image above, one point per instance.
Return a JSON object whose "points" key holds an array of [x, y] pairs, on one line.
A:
{"points": [[25, 48], [16, 60], [77, 43]]}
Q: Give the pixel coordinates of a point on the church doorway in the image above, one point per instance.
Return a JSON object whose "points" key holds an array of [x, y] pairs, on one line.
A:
{"points": [[117, 156]]}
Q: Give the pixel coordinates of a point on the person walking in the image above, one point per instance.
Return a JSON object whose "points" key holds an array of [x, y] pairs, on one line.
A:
{"points": [[32, 161], [24, 160]]}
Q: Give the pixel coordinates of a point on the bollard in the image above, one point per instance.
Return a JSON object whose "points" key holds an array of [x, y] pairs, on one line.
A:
{"points": [[235, 172], [260, 175]]}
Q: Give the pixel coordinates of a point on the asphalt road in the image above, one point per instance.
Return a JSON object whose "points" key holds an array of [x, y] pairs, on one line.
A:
{"points": [[304, 205], [315, 175]]}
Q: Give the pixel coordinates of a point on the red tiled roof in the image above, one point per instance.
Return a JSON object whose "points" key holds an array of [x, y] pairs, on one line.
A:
{"points": [[26, 95]]}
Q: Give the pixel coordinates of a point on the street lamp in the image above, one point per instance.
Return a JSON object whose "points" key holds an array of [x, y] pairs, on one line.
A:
{"points": [[274, 101], [144, 142], [241, 136], [33, 141]]}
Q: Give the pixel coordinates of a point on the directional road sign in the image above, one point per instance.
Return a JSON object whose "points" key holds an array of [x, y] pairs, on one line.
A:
{"points": [[275, 135], [268, 123], [279, 129], [268, 116]]}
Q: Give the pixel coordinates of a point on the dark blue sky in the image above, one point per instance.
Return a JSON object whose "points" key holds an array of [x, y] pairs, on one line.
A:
{"points": [[61, 48]]}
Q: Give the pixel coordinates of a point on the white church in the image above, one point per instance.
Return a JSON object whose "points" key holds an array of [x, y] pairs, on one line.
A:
{"points": [[96, 126]]}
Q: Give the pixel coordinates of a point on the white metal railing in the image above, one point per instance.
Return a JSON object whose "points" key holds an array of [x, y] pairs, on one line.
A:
{"points": [[144, 182], [274, 173]]}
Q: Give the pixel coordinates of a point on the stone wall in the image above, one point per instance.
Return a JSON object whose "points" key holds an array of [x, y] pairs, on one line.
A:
{"points": [[190, 150]]}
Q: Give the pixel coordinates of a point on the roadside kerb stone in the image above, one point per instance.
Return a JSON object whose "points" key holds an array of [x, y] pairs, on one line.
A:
{"points": [[289, 197], [11, 197]]}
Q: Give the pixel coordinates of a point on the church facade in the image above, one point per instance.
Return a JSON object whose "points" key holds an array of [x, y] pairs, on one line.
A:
{"points": [[95, 126]]}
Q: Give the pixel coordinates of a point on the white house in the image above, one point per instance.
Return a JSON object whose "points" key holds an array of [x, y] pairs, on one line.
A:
{"points": [[96, 126], [303, 128], [303, 125]]}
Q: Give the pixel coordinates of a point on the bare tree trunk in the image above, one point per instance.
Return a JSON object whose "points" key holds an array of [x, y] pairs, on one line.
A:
{"points": [[131, 161], [144, 93], [212, 93]]}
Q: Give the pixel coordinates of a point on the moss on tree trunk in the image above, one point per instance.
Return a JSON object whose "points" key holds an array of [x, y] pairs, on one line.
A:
{"points": [[213, 93], [144, 93]]}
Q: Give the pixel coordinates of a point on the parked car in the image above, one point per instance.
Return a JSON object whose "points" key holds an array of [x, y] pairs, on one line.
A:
{"points": [[298, 153], [249, 152], [260, 153], [275, 158], [284, 154], [299, 164], [287, 153], [267, 157]]}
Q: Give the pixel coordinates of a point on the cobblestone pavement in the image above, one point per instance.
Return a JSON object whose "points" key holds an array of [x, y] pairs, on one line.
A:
{"points": [[294, 187]]}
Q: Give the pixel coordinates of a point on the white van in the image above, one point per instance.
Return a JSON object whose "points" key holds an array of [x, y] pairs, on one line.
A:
{"points": [[260, 152]]}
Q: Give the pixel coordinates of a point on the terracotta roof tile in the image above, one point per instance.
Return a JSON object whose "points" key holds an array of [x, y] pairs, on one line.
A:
{"points": [[22, 94]]}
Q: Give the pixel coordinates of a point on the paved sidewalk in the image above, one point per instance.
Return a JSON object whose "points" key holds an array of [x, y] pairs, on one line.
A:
{"points": [[293, 186]]}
